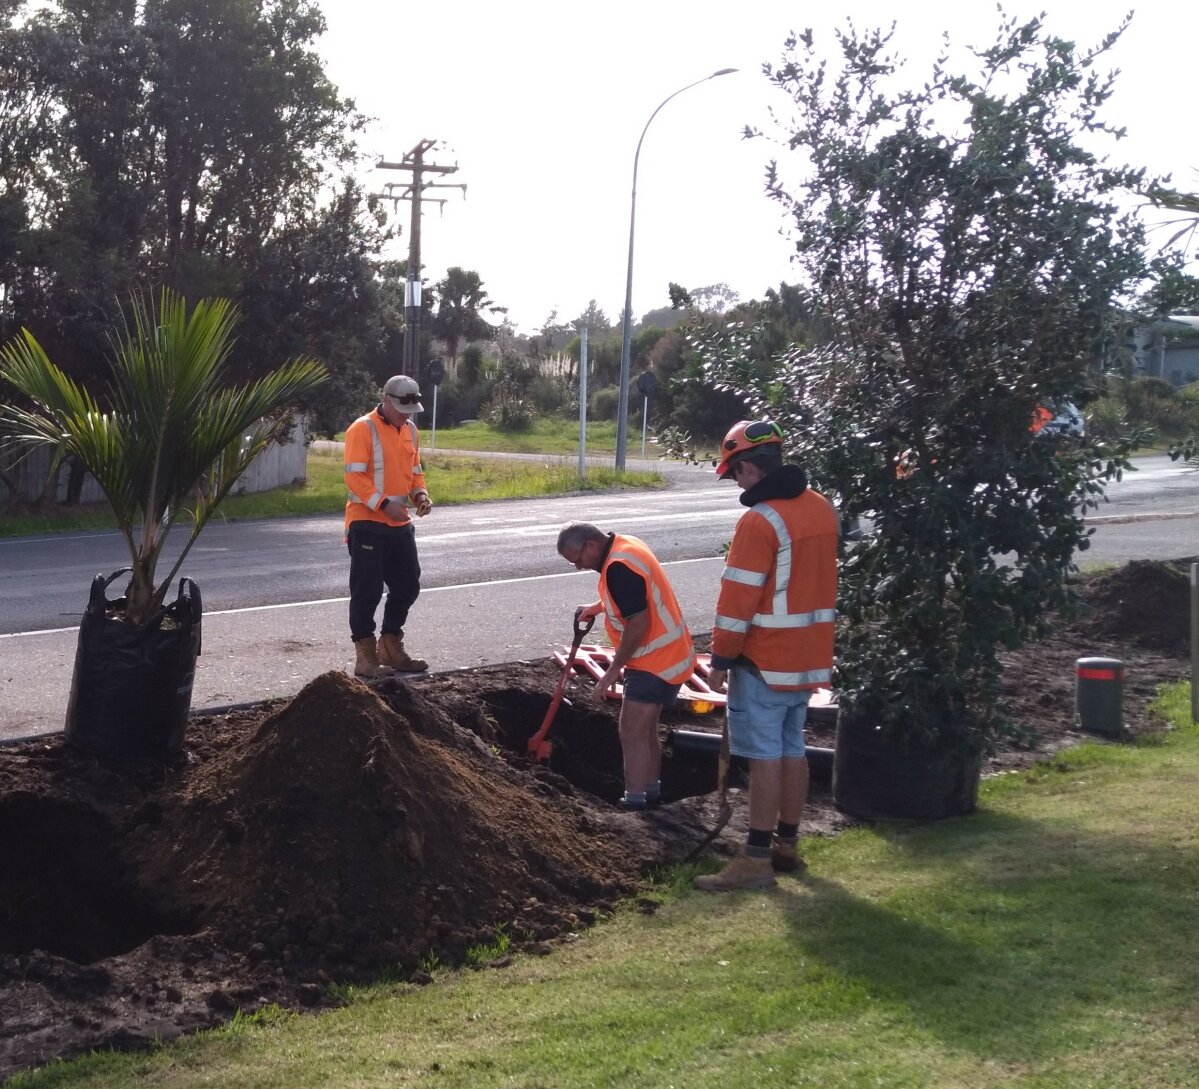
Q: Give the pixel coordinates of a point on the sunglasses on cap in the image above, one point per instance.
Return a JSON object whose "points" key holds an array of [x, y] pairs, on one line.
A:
{"points": [[760, 431], [406, 399]]}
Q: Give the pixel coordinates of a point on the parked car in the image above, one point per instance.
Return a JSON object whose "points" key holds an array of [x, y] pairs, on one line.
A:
{"points": [[1063, 418]]}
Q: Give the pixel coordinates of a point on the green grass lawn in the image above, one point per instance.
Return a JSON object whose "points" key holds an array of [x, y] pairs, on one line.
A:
{"points": [[1050, 940], [452, 479], [547, 435]]}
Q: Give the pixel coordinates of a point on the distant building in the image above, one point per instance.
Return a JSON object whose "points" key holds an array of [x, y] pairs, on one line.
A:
{"points": [[1168, 348]]}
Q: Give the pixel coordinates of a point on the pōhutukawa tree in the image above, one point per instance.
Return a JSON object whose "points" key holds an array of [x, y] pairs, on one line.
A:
{"points": [[965, 245]]}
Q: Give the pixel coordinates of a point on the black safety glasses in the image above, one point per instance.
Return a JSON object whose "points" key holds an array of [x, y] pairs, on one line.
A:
{"points": [[407, 399]]}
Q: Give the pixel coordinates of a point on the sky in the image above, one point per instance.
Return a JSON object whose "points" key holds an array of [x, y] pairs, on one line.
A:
{"points": [[541, 107]]}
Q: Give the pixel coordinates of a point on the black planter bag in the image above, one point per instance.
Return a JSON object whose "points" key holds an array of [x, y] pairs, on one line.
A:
{"points": [[132, 686], [877, 779]]}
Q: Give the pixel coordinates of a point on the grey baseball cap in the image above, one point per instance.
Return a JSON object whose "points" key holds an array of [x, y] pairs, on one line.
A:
{"points": [[404, 394]]}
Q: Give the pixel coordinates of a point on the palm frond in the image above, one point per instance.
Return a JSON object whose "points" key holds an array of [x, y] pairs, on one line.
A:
{"points": [[173, 431]]}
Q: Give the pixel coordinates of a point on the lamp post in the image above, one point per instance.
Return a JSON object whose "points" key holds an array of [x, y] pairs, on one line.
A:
{"points": [[622, 408]]}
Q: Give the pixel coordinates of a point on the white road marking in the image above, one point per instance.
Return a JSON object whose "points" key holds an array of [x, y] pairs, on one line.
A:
{"points": [[337, 600]]}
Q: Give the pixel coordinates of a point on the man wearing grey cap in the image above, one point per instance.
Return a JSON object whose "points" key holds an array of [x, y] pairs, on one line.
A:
{"points": [[384, 476]]}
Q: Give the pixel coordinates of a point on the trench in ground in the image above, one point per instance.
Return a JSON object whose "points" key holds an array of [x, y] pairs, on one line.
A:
{"points": [[586, 746], [63, 887]]}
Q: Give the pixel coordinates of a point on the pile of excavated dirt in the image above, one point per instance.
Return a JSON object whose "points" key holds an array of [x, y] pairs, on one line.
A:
{"points": [[349, 832], [356, 830], [1145, 602], [339, 832]]}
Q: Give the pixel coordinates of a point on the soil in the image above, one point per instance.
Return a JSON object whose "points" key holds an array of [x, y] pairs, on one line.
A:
{"points": [[359, 831]]}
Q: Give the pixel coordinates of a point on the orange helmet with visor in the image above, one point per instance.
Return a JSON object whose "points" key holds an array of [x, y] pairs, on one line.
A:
{"points": [[744, 439]]}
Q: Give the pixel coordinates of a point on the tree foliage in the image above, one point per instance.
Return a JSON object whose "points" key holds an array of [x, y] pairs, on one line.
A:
{"points": [[170, 437], [962, 252], [185, 143], [461, 303]]}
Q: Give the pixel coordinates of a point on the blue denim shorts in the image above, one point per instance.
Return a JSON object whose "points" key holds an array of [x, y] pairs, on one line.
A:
{"points": [[764, 724], [642, 687]]}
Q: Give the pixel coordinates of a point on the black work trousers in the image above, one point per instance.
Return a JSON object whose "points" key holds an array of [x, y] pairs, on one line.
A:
{"points": [[381, 556]]}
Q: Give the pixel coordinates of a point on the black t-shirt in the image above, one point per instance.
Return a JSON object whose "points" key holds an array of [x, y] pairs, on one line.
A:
{"points": [[627, 587]]}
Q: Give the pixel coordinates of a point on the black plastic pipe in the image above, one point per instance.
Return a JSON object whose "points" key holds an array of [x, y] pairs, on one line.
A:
{"points": [[820, 760]]}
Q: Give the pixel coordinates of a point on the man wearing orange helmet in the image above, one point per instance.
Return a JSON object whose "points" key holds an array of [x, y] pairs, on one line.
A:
{"points": [[384, 477], [772, 641]]}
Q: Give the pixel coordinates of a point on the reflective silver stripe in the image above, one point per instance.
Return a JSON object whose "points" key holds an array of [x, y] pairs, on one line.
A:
{"points": [[728, 623], [416, 466], [782, 561], [356, 467], [652, 645], [679, 672], [812, 676], [795, 620], [377, 458], [673, 630], [742, 575], [374, 499]]}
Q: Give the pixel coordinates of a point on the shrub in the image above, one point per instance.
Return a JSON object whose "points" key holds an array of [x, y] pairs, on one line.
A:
{"points": [[1106, 419], [1150, 386], [1189, 393], [706, 412], [508, 409], [603, 403]]}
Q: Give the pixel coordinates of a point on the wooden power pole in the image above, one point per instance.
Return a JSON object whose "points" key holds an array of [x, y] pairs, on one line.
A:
{"points": [[413, 190]]}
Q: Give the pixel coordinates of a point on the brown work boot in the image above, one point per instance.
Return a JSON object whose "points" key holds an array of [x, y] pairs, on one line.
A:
{"points": [[393, 654], [744, 872], [784, 855], [366, 660]]}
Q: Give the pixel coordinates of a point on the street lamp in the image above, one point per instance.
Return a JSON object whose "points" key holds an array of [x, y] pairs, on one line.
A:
{"points": [[622, 409]]}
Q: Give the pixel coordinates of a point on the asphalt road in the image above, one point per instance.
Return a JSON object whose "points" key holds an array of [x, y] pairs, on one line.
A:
{"points": [[494, 588]]}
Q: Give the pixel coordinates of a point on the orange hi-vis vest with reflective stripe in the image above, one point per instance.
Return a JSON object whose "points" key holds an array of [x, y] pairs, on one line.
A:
{"points": [[667, 651], [381, 462], [778, 592]]}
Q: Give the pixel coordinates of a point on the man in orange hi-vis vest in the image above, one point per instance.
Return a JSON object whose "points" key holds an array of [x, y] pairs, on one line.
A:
{"points": [[650, 639], [384, 478], [773, 642]]}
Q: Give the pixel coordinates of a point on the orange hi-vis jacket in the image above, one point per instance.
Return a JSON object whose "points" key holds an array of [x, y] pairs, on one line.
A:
{"points": [[778, 593], [382, 462], [667, 651]]}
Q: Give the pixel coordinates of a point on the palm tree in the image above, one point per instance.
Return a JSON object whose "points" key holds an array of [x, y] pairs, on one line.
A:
{"points": [[1175, 200], [461, 302], [171, 438]]}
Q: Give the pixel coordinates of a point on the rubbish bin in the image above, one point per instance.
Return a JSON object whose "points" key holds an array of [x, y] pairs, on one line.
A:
{"points": [[1099, 696]]}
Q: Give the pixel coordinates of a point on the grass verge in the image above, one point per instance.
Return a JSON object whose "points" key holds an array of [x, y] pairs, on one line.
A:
{"points": [[452, 480], [1049, 940], [544, 436]]}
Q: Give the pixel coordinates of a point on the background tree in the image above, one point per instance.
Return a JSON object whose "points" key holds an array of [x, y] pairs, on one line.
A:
{"points": [[964, 252], [461, 304], [177, 142]]}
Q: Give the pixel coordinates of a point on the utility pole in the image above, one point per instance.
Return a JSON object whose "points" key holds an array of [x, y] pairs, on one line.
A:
{"points": [[413, 190]]}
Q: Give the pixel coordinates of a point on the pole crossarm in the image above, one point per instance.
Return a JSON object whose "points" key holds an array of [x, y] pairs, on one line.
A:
{"points": [[414, 191]]}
